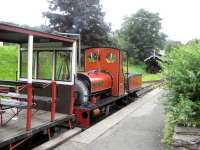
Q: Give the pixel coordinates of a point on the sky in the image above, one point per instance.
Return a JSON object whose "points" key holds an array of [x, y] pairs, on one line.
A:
{"points": [[180, 18]]}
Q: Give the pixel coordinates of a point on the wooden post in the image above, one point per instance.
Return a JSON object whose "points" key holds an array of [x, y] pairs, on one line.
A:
{"points": [[71, 99], [53, 102], [1, 117], [73, 77], [29, 87]]}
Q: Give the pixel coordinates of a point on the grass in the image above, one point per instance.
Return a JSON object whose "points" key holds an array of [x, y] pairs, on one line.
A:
{"points": [[8, 62], [8, 65], [145, 75], [168, 130]]}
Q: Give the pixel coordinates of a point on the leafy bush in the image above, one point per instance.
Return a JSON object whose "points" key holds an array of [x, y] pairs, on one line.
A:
{"points": [[181, 71]]}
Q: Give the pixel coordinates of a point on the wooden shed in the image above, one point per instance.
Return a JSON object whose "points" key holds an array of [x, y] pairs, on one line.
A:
{"points": [[152, 62]]}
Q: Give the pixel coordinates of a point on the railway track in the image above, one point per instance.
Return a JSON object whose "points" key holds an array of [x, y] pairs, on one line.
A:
{"points": [[147, 86]]}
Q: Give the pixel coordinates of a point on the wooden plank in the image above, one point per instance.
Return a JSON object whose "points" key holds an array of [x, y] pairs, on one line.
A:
{"points": [[187, 130], [186, 138]]}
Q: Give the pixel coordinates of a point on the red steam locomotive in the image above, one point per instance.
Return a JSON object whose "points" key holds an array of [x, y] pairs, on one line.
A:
{"points": [[102, 83]]}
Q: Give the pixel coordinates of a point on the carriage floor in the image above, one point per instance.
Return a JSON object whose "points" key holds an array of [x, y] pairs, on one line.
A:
{"points": [[15, 129]]}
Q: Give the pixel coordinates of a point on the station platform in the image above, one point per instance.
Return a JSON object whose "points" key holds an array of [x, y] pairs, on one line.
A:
{"points": [[138, 126]]}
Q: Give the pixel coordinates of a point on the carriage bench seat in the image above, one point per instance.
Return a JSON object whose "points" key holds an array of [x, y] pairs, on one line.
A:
{"points": [[2, 111], [13, 103], [24, 96]]}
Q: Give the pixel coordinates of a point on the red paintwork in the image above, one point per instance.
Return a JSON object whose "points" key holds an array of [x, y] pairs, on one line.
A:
{"points": [[114, 68], [53, 103], [80, 120], [1, 118], [29, 109], [135, 82], [71, 99], [94, 100], [121, 75], [4, 89], [99, 81], [98, 68], [15, 145]]}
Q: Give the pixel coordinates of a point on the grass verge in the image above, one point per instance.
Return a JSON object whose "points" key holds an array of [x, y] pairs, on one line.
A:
{"points": [[168, 131], [8, 62], [145, 75]]}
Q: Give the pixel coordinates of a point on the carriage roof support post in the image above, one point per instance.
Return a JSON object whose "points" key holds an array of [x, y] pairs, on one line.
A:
{"points": [[53, 101], [127, 71], [53, 90], [29, 84], [73, 77]]}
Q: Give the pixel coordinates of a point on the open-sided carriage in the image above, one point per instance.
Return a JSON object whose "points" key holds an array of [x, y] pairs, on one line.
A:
{"points": [[43, 94]]}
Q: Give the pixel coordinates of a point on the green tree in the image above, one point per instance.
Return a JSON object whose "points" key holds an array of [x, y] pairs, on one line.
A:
{"points": [[170, 44], [118, 40], [80, 16], [141, 32], [194, 41]]}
